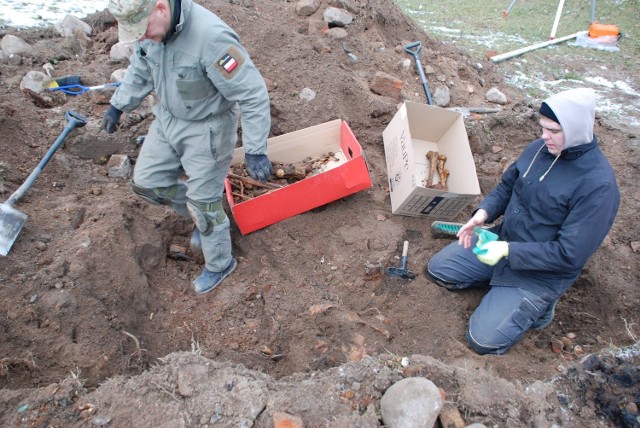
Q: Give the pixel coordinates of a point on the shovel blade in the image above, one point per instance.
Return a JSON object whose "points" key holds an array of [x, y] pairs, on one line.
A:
{"points": [[11, 222]]}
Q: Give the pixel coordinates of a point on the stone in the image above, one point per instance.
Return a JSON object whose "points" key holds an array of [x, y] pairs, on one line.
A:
{"points": [[351, 5], [450, 417], [70, 25], [441, 96], [386, 85], [317, 26], [121, 51], [11, 44], [285, 420], [494, 95], [307, 7], [411, 403], [337, 33], [321, 46], [118, 75], [34, 81], [307, 94], [337, 17], [119, 166], [490, 168], [404, 64]]}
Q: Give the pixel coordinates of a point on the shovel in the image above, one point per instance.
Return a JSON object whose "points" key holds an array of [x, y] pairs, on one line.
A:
{"points": [[401, 271], [12, 220], [414, 49]]}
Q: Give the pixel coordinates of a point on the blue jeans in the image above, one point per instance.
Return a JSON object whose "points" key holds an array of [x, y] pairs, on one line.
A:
{"points": [[505, 312]]}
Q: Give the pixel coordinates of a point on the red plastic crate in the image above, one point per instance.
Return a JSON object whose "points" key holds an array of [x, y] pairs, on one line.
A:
{"points": [[345, 179]]}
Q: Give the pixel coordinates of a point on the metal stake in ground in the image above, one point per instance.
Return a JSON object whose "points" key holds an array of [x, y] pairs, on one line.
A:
{"points": [[12, 220], [414, 49], [401, 271]]}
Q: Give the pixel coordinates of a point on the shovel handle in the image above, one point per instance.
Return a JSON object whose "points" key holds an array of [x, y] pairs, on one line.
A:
{"points": [[413, 48], [73, 120], [76, 118]]}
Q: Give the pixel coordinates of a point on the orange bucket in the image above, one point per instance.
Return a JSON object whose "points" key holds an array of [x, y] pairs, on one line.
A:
{"points": [[599, 30]]}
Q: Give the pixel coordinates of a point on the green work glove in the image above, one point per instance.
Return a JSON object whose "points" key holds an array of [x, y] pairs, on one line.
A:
{"points": [[491, 252], [484, 236]]}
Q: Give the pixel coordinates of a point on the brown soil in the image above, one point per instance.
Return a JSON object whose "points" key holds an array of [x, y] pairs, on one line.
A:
{"points": [[88, 289]]}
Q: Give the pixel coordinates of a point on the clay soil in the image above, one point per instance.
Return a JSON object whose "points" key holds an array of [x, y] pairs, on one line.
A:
{"points": [[89, 290]]}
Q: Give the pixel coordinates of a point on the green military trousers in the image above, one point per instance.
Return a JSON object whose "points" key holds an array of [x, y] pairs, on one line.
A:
{"points": [[201, 150]]}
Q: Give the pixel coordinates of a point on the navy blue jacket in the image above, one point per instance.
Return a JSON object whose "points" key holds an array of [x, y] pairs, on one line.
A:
{"points": [[555, 224]]}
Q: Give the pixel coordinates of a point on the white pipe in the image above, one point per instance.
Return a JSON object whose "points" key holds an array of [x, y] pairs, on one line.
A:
{"points": [[502, 57], [556, 21], [506, 12]]}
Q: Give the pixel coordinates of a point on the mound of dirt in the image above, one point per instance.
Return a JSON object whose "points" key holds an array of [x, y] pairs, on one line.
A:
{"points": [[91, 300]]}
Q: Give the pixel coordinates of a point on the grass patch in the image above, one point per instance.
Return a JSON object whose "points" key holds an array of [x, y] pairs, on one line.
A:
{"points": [[480, 26]]}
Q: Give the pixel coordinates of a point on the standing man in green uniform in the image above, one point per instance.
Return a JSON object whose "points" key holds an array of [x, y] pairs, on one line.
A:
{"points": [[205, 81]]}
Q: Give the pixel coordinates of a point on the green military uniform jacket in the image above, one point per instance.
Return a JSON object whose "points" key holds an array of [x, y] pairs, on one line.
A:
{"points": [[201, 71]]}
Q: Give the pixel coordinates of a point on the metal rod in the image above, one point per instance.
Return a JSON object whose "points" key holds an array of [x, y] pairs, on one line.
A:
{"points": [[557, 20], [506, 12], [502, 57]]}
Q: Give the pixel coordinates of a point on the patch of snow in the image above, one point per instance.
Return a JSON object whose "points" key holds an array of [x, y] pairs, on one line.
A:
{"points": [[609, 95], [42, 13], [443, 30], [628, 352]]}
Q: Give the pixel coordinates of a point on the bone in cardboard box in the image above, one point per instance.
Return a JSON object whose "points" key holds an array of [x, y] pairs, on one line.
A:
{"points": [[346, 176], [415, 130]]}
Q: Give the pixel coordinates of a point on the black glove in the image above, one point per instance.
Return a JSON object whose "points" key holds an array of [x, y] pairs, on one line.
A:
{"points": [[110, 119], [258, 166]]}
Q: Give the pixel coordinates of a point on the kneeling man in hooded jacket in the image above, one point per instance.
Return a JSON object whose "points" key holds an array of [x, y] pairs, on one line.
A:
{"points": [[558, 201]]}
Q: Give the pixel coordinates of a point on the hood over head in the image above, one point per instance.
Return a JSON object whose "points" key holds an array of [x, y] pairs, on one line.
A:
{"points": [[575, 111]]}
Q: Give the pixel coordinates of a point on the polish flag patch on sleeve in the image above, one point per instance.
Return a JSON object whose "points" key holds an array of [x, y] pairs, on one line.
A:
{"points": [[228, 62]]}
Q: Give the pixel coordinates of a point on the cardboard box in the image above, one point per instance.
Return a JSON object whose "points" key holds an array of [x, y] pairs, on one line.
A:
{"points": [[414, 130], [345, 177]]}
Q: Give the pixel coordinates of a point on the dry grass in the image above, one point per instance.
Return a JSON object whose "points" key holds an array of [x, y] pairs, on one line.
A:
{"points": [[8, 363]]}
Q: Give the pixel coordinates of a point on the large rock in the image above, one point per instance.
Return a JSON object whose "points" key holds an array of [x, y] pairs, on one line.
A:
{"points": [[307, 7], [11, 44], [121, 51], [336, 17], [413, 402], [34, 81], [387, 85], [70, 25]]}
